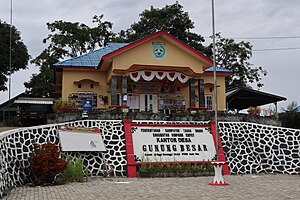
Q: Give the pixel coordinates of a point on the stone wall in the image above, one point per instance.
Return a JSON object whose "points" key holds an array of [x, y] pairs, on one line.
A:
{"points": [[255, 148], [16, 145], [248, 147]]}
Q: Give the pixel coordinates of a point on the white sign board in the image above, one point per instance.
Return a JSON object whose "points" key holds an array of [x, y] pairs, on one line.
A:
{"points": [[81, 141], [172, 144]]}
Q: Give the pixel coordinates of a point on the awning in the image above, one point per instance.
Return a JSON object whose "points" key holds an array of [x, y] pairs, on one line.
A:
{"points": [[150, 75], [24, 101], [242, 98]]}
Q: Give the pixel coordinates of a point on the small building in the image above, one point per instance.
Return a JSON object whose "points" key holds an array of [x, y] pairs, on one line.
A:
{"points": [[33, 111], [158, 73], [8, 109]]}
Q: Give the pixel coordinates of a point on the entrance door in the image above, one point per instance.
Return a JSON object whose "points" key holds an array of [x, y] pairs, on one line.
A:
{"points": [[148, 102]]}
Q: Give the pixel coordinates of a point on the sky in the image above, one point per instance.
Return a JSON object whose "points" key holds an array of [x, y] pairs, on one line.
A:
{"points": [[267, 24]]}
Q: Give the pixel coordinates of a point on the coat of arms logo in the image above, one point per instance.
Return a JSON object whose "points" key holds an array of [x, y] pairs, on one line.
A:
{"points": [[159, 50]]}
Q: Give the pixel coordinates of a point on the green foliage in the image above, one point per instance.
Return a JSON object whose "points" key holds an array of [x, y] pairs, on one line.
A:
{"points": [[67, 39], [41, 84], [45, 163], [172, 19], [73, 39], [20, 56], [235, 57], [64, 106], [74, 171], [290, 118], [177, 169]]}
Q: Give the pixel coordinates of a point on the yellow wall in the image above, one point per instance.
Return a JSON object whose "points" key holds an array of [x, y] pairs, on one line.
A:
{"points": [[209, 83], [68, 85], [142, 54]]}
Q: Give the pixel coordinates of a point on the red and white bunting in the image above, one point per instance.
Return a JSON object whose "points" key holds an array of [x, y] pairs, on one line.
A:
{"points": [[160, 75]]}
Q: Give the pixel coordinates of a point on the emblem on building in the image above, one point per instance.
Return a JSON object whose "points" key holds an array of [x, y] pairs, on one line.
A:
{"points": [[159, 50]]}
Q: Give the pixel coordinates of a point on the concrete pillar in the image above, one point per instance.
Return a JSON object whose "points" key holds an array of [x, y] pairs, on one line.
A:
{"points": [[113, 89], [192, 92], [201, 93], [124, 90]]}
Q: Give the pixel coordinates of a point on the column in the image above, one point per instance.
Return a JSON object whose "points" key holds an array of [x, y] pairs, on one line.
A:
{"points": [[113, 89], [192, 92], [124, 90], [201, 93]]}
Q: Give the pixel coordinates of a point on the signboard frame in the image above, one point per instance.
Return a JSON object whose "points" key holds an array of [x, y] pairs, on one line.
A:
{"points": [[172, 143]]}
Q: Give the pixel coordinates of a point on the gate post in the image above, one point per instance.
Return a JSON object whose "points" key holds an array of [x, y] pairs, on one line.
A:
{"points": [[131, 165]]}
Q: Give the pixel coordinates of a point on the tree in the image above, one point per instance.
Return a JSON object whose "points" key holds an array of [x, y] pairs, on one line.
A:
{"points": [[19, 53], [172, 19], [67, 39], [235, 56], [290, 117]]}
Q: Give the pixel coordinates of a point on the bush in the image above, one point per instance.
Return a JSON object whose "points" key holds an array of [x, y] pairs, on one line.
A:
{"points": [[74, 171], [62, 106], [177, 169], [45, 163]]}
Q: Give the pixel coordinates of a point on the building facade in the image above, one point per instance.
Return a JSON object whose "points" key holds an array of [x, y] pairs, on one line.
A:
{"points": [[158, 73]]}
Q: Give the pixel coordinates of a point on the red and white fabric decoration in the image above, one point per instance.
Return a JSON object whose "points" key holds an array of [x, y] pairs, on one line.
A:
{"points": [[182, 78], [160, 75], [135, 76]]}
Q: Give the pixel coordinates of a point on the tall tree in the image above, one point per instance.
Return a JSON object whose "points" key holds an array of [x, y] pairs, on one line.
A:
{"points": [[19, 53], [172, 19], [290, 117], [235, 57], [67, 39]]}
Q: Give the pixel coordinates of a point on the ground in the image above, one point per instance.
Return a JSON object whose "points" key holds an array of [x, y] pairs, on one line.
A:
{"points": [[6, 128], [241, 187]]}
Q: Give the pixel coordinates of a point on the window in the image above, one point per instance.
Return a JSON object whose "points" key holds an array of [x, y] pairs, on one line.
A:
{"points": [[79, 85], [208, 102], [92, 85]]}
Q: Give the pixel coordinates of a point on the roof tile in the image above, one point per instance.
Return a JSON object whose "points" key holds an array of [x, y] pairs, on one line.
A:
{"points": [[91, 59]]}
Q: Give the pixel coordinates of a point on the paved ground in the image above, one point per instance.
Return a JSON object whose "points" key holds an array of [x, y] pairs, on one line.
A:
{"points": [[241, 187]]}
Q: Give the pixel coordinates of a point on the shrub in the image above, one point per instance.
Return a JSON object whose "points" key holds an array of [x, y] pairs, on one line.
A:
{"points": [[45, 163], [64, 106], [74, 171]]}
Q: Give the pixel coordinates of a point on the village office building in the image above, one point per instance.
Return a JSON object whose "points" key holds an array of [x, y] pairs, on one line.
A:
{"points": [[158, 73]]}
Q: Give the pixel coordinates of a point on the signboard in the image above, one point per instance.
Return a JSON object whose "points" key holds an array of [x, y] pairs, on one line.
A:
{"points": [[172, 144], [81, 141]]}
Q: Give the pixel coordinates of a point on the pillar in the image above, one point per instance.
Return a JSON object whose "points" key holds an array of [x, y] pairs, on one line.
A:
{"points": [[192, 92], [113, 89], [201, 93], [124, 90]]}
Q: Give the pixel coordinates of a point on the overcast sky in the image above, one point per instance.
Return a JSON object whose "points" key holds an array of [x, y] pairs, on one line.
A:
{"points": [[233, 18]]}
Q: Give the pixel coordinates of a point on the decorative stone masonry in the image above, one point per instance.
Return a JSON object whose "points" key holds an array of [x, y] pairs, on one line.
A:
{"points": [[255, 148], [248, 147], [16, 145]]}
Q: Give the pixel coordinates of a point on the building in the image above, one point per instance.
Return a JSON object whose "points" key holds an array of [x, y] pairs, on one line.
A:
{"points": [[158, 73], [33, 111]]}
